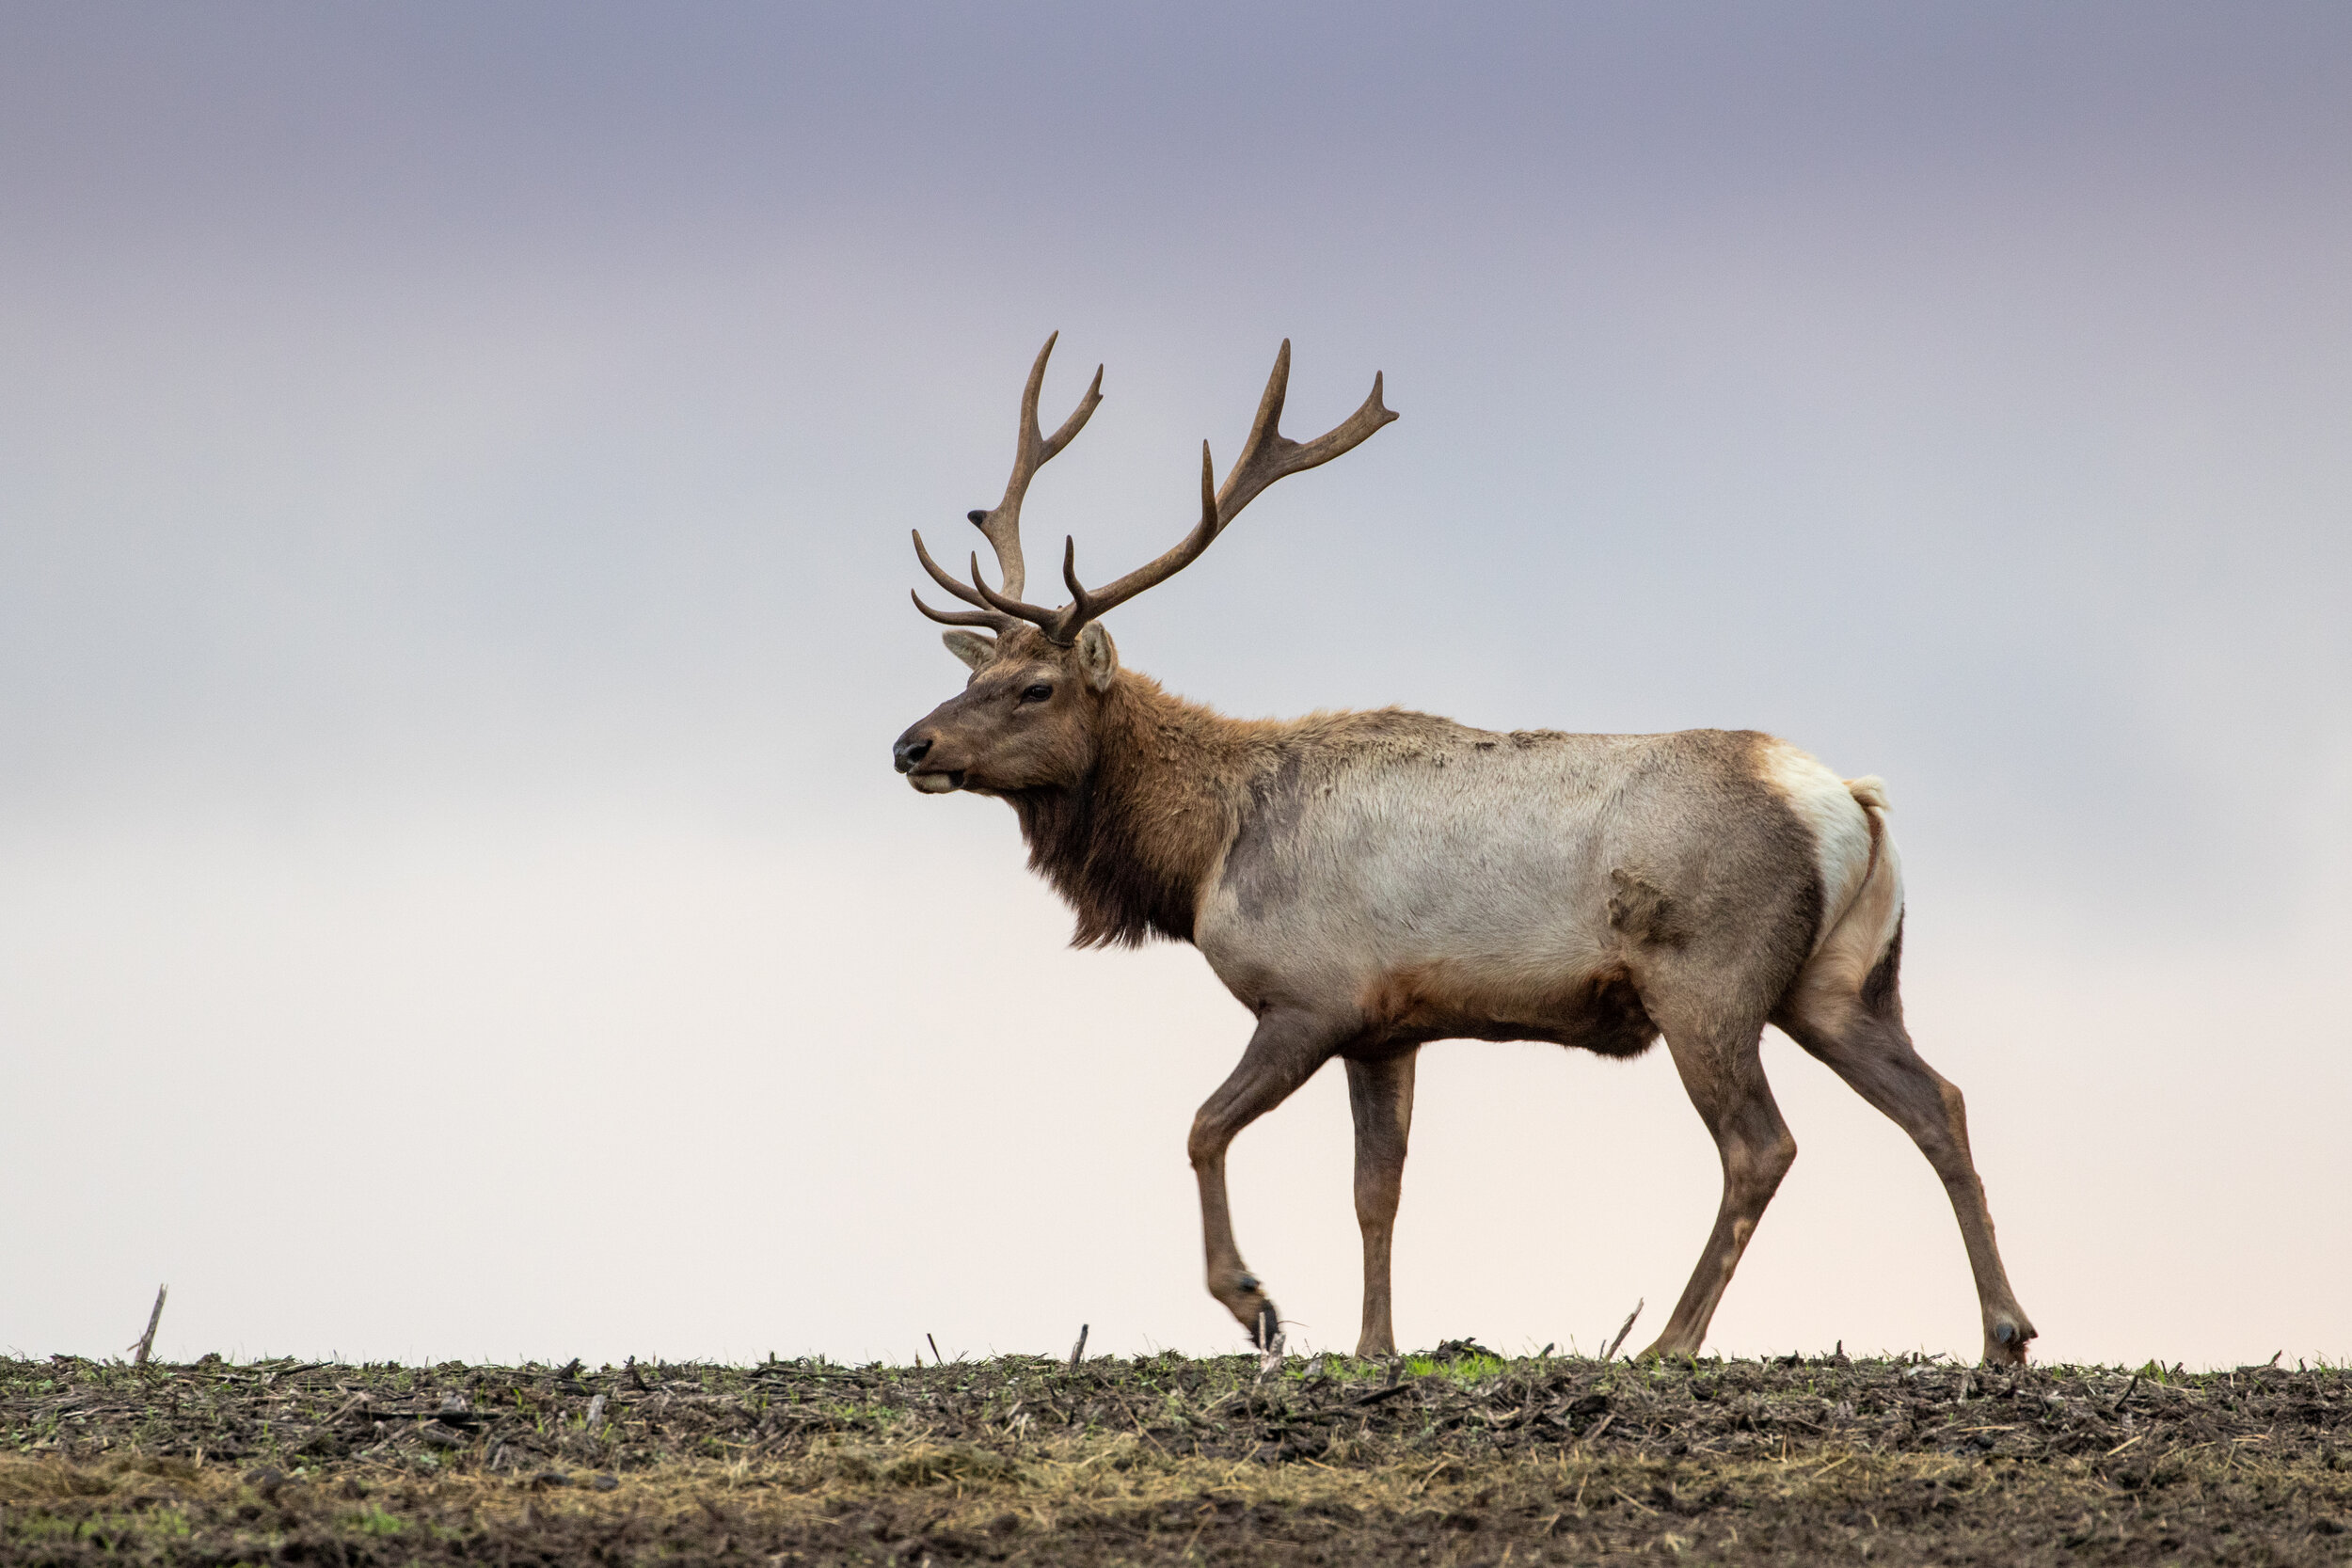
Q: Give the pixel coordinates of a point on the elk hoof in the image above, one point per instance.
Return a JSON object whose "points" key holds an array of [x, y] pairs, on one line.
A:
{"points": [[1246, 1299], [2004, 1343]]}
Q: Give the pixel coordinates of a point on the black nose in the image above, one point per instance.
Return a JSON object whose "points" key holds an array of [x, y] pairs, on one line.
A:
{"points": [[907, 753]]}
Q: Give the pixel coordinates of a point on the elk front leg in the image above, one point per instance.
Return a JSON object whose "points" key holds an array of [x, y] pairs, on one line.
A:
{"points": [[1724, 1072], [1380, 1096], [1285, 1051]]}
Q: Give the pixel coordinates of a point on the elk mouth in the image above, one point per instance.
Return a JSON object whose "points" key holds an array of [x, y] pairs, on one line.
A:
{"points": [[937, 783]]}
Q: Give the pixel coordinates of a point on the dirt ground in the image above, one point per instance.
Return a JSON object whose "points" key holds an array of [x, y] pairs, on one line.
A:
{"points": [[1456, 1457]]}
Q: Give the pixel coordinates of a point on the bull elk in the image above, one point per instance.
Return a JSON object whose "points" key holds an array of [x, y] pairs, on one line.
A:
{"points": [[1365, 883]]}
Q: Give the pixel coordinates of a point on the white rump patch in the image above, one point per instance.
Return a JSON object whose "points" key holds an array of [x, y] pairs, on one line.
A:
{"points": [[1833, 809]]}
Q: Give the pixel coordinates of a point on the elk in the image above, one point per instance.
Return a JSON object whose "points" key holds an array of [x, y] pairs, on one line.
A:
{"points": [[1368, 882]]}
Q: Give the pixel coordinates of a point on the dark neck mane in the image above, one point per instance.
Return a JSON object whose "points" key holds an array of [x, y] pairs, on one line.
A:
{"points": [[1129, 846]]}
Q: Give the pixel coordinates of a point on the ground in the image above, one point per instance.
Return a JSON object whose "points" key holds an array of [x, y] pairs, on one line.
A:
{"points": [[1456, 1457]]}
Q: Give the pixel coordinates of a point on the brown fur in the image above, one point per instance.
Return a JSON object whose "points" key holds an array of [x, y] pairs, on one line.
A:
{"points": [[1642, 912], [1881, 992], [1600, 1012], [1131, 841]]}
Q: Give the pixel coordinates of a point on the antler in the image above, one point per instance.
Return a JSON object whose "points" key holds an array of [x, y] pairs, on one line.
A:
{"points": [[1266, 456], [1001, 525]]}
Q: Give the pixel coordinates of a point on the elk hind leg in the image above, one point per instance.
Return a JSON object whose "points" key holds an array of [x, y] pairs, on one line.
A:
{"points": [[1723, 1070], [1864, 1042], [1285, 1053], [1380, 1097]]}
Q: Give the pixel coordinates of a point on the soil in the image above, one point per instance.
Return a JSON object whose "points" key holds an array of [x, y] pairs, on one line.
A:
{"points": [[1456, 1457]]}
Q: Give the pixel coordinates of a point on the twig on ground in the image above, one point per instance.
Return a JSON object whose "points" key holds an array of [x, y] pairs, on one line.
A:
{"points": [[145, 1344], [1078, 1351], [1623, 1329]]}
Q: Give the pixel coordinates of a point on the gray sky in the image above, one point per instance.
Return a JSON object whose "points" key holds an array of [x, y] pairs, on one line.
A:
{"points": [[455, 474]]}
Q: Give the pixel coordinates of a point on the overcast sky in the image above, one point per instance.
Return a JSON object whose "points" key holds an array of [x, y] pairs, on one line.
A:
{"points": [[455, 468]]}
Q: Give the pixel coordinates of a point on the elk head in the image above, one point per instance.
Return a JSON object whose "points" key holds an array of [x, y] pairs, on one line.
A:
{"points": [[1027, 718]]}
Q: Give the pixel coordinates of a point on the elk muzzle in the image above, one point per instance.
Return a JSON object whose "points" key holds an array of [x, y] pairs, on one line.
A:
{"points": [[908, 754]]}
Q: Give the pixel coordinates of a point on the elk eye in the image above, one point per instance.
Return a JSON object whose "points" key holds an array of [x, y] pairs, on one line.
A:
{"points": [[1036, 693]]}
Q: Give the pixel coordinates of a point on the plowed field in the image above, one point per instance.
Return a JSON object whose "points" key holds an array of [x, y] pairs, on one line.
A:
{"points": [[1457, 1458]]}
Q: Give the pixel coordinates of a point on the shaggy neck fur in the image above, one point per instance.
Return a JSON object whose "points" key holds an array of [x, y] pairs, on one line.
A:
{"points": [[1130, 844]]}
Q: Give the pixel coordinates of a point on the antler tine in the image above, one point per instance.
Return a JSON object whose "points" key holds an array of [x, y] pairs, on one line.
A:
{"points": [[1001, 526], [1046, 620], [1082, 607], [1078, 416], [1269, 455], [998, 624], [939, 573]]}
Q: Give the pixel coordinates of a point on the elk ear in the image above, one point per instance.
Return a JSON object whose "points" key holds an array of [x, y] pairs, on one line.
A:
{"points": [[971, 647], [1097, 658]]}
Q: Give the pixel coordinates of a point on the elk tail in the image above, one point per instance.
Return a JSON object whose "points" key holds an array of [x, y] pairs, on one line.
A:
{"points": [[1871, 935], [1869, 793], [1854, 962]]}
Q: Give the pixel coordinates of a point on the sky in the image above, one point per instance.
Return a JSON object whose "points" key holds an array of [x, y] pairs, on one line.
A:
{"points": [[455, 468]]}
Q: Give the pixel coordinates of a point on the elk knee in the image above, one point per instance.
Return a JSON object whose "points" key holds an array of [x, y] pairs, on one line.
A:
{"points": [[1944, 1133], [1955, 1108], [1206, 1143], [1758, 1167]]}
